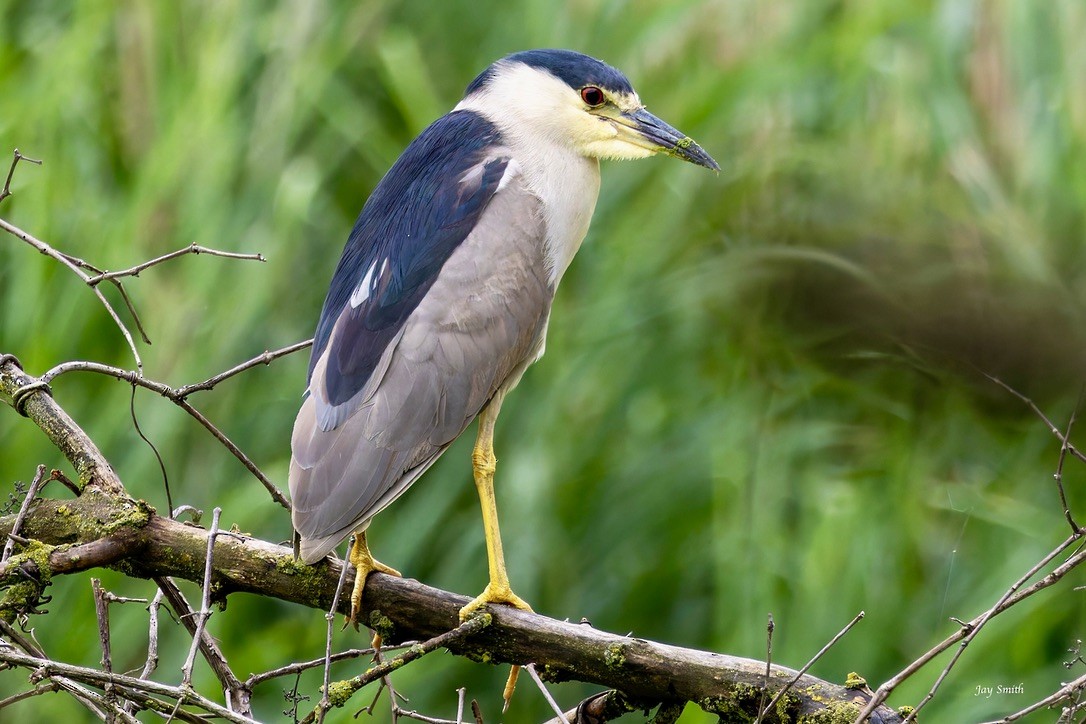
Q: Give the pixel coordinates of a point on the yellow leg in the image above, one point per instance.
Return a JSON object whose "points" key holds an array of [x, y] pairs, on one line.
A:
{"points": [[364, 564], [483, 464]]}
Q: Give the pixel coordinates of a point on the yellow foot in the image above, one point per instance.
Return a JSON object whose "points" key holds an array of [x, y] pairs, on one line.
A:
{"points": [[494, 594], [364, 564]]}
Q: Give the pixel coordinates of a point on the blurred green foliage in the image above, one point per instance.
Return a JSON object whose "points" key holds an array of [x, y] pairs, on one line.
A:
{"points": [[762, 391]]}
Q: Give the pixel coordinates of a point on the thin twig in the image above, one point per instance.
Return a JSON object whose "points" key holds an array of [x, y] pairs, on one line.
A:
{"points": [[974, 630], [297, 668], [154, 449], [821, 652], [1059, 467], [1044, 418], [768, 667], [43, 668], [151, 663], [421, 717], [966, 633], [350, 686], [205, 602], [530, 668], [1064, 692], [31, 494], [38, 690], [325, 703], [49, 251], [90, 700], [101, 610], [16, 158], [178, 396], [236, 694], [261, 359], [192, 248], [84, 264]]}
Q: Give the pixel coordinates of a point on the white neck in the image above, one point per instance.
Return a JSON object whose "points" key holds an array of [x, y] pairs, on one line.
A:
{"points": [[567, 182]]}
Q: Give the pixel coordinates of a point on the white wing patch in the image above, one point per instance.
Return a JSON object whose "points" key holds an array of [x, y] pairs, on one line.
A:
{"points": [[474, 175], [512, 169], [362, 291]]}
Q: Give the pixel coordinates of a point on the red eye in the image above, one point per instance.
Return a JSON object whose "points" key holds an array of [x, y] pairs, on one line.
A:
{"points": [[592, 96]]}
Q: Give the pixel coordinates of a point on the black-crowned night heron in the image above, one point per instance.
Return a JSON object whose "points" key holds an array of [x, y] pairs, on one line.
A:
{"points": [[441, 299]]}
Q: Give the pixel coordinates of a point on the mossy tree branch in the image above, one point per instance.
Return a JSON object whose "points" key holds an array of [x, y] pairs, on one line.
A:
{"points": [[106, 527]]}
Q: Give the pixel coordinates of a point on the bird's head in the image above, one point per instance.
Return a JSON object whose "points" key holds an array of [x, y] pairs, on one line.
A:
{"points": [[578, 101]]}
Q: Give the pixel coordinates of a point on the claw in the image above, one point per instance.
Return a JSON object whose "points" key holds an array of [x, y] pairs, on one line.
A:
{"points": [[364, 564]]}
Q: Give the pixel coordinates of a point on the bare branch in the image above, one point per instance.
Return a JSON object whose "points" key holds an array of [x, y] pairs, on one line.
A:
{"points": [[177, 396], [31, 494], [46, 688], [17, 157], [346, 689], [128, 686], [530, 668], [161, 547], [967, 632], [205, 602], [238, 695], [90, 465], [821, 652], [264, 359], [77, 266], [1059, 468], [52, 253], [301, 666], [152, 640], [330, 617], [101, 610], [94, 703], [768, 661], [1044, 418], [1064, 693], [192, 248]]}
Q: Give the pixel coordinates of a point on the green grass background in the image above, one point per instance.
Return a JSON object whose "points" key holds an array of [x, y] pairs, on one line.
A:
{"points": [[762, 390]]}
